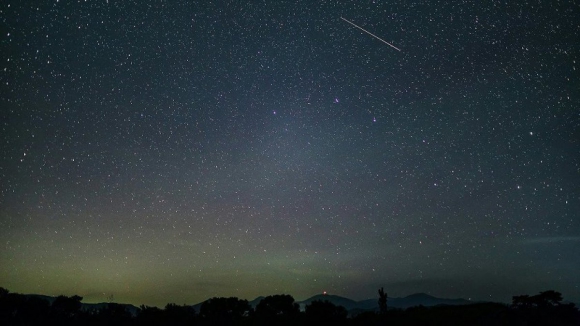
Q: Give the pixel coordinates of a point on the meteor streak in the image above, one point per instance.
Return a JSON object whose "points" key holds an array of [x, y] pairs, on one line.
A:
{"points": [[371, 34]]}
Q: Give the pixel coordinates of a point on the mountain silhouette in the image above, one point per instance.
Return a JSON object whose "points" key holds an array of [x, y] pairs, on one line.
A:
{"points": [[255, 302], [347, 303], [417, 299], [545, 308], [423, 299], [413, 300]]}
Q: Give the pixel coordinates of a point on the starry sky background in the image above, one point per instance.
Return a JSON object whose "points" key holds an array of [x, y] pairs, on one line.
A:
{"points": [[172, 151]]}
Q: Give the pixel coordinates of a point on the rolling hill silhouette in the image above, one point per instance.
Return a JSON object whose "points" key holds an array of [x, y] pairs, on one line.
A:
{"points": [[545, 308], [417, 299]]}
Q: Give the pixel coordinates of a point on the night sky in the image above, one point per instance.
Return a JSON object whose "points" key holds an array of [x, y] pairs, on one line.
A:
{"points": [[173, 151]]}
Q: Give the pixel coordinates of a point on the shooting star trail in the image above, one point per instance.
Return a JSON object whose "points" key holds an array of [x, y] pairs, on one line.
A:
{"points": [[371, 34]]}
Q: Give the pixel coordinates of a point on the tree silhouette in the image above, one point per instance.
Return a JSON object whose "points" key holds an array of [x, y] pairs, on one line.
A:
{"points": [[19, 309], [521, 301], [382, 301], [114, 314], [8, 306], [544, 299], [66, 309], [150, 316], [35, 310], [277, 309], [111, 298], [545, 308], [549, 297], [325, 313], [179, 315], [3, 293], [224, 311]]}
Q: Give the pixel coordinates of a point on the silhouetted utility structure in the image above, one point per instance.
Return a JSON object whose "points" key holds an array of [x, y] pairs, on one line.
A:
{"points": [[382, 301]]}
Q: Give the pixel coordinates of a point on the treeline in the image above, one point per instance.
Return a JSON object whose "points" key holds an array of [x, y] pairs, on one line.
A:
{"points": [[545, 308]]}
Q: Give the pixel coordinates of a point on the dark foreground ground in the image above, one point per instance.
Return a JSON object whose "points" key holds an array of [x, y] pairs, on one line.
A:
{"points": [[542, 309]]}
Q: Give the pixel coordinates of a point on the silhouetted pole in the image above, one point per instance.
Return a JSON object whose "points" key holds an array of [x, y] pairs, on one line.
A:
{"points": [[382, 301]]}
